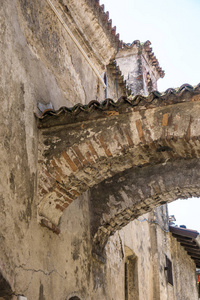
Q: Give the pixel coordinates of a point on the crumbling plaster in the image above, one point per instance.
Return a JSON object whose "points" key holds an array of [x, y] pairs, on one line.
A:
{"points": [[135, 65], [149, 240], [28, 252], [116, 140], [39, 63]]}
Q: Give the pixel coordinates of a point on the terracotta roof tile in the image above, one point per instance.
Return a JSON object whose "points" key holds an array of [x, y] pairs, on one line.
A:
{"points": [[96, 110]]}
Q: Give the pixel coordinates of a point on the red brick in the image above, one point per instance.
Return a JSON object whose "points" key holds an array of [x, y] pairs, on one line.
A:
{"points": [[80, 155], [60, 207], [128, 137], [65, 205], [65, 193], [89, 158], [75, 193], [42, 190], [92, 150], [69, 162], [57, 168], [105, 146], [140, 130]]}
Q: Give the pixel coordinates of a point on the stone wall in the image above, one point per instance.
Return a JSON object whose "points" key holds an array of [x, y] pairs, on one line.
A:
{"points": [[149, 241], [140, 67], [38, 63]]}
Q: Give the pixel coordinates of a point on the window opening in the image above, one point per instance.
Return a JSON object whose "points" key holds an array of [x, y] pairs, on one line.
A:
{"points": [[131, 275], [168, 268]]}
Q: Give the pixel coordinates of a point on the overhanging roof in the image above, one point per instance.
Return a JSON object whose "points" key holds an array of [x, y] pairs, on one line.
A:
{"points": [[190, 240], [96, 110]]}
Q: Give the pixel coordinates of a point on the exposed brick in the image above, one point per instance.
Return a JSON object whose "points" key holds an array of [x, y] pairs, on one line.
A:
{"points": [[140, 130], [75, 159], [92, 150], [69, 161], [60, 207], [65, 205], [74, 192], [165, 138], [89, 158], [118, 143], [105, 146], [165, 119], [128, 137], [65, 193], [42, 191], [48, 224], [80, 155]]}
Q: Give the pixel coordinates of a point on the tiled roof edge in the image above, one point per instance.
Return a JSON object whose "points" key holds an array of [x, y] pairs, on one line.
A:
{"points": [[133, 102], [106, 22], [96, 110]]}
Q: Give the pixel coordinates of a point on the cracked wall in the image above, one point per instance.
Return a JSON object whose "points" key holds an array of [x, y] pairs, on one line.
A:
{"points": [[149, 240], [35, 262], [39, 63]]}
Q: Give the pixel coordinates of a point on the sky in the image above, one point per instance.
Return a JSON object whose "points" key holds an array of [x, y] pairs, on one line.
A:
{"points": [[173, 27]]}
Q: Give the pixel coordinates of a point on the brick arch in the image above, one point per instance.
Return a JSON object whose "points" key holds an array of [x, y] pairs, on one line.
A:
{"points": [[81, 147], [136, 191]]}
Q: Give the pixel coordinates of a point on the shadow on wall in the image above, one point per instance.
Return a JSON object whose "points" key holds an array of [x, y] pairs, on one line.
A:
{"points": [[5, 289]]}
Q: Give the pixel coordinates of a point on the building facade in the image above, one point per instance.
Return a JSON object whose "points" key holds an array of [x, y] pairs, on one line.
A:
{"points": [[58, 54]]}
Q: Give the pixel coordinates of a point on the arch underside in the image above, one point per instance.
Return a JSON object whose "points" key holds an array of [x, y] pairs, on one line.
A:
{"points": [[129, 158], [136, 191]]}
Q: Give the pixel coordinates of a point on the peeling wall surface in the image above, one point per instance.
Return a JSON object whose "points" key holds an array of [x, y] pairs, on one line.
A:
{"points": [[43, 186], [149, 241]]}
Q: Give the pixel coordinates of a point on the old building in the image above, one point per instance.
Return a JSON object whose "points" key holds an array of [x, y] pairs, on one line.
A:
{"points": [[77, 175]]}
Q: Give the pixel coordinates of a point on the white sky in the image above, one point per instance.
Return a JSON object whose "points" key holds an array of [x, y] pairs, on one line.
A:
{"points": [[173, 27]]}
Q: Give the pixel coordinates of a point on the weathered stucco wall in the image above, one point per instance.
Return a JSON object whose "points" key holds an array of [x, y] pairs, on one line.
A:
{"points": [[130, 64], [34, 60], [51, 45], [115, 90], [139, 71], [183, 272], [39, 63], [150, 241]]}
